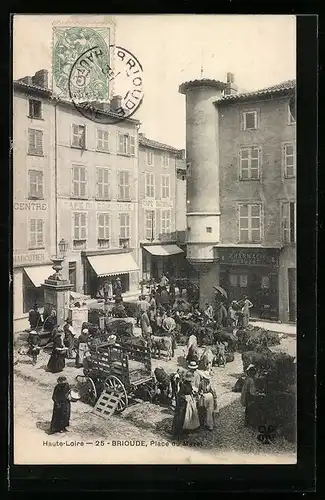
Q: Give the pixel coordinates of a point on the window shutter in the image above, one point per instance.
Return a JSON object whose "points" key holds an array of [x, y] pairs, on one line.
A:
{"points": [[242, 121], [120, 143], [283, 158], [83, 226], [40, 185], [132, 145], [260, 161]]}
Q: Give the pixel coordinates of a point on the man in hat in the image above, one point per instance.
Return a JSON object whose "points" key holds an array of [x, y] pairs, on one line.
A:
{"points": [[69, 337], [82, 347], [34, 317], [33, 342], [207, 401]]}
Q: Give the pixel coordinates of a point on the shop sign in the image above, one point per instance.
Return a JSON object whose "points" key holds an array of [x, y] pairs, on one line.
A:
{"points": [[150, 204], [96, 205], [247, 257], [30, 205], [28, 258], [164, 204]]}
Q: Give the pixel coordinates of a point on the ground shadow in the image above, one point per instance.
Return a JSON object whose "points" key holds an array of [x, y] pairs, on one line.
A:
{"points": [[44, 426]]}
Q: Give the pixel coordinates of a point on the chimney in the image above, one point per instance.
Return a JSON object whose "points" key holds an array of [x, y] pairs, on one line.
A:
{"points": [[231, 87], [141, 134], [41, 78], [116, 102]]}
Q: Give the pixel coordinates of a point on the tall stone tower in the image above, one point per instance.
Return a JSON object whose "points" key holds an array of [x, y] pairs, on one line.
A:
{"points": [[202, 154]]}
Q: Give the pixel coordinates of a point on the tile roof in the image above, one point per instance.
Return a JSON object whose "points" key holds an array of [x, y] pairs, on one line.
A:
{"points": [[144, 141], [282, 87], [31, 86]]}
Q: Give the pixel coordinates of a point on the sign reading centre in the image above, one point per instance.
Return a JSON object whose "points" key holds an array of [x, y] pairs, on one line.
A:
{"points": [[30, 205]]}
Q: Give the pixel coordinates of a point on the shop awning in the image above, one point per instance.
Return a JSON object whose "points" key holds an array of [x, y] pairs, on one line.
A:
{"points": [[112, 265], [37, 274], [163, 250]]}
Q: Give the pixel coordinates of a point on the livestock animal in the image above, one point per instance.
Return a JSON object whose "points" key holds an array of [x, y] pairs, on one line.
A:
{"points": [[220, 354], [192, 350], [224, 336], [261, 360], [163, 384], [207, 359], [159, 344]]}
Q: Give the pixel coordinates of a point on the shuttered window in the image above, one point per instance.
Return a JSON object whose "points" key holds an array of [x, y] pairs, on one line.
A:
{"points": [[149, 185], [36, 233], [124, 186], [126, 144], [102, 140], [35, 142], [35, 184], [165, 221], [79, 182], [79, 230], [102, 183], [78, 136]]}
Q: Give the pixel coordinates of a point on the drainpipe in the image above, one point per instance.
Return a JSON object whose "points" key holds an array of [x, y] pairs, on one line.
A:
{"points": [[56, 175]]}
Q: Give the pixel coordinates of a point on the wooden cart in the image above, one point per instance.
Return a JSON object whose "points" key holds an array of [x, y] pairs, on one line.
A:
{"points": [[122, 371]]}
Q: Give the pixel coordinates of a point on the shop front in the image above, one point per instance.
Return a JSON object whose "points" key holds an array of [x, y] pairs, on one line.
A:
{"points": [[162, 258], [102, 270], [253, 272]]}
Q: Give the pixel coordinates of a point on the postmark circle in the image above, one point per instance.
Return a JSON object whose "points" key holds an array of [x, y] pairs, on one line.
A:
{"points": [[123, 81]]}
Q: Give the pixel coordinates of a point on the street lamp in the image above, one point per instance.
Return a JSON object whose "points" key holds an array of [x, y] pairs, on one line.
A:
{"points": [[63, 247]]}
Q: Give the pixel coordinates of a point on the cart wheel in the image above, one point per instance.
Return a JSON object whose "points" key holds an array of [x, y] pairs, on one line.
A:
{"points": [[87, 389], [114, 383]]}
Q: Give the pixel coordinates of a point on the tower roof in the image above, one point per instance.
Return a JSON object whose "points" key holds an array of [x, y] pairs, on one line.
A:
{"points": [[204, 82]]}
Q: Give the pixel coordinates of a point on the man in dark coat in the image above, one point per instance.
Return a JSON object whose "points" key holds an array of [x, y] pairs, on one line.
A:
{"points": [[34, 317], [69, 337], [62, 406], [57, 359]]}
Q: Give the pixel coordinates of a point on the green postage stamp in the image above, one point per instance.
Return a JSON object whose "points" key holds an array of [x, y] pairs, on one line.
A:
{"points": [[69, 44]]}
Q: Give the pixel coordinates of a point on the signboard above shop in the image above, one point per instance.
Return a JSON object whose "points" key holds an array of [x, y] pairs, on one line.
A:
{"points": [[249, 256]]}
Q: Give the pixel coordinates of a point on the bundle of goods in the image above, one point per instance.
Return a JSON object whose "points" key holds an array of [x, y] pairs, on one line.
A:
{"points": [[94, 315], [254, 337], [275, 378], [119, 327], [93, 329]]}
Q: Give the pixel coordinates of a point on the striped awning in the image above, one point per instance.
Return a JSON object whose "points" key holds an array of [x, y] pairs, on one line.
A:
{"points": [[113, 264], [163, 250], [37, 274]]}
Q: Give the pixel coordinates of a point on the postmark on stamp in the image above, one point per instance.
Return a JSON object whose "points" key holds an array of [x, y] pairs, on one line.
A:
{"points": [[103, 81]]}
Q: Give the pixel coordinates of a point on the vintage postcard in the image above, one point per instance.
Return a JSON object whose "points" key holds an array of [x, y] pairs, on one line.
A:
{"points": [[154, 239]]}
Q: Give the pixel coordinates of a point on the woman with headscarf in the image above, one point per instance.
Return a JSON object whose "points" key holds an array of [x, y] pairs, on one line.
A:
{"points": [[62, 406], [207, 400], [57, 359], [192, 353], [186, 415], [82, 347]]}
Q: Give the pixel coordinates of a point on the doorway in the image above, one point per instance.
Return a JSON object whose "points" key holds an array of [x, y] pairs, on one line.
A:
{"points": [[73, 275], [292, 294]]}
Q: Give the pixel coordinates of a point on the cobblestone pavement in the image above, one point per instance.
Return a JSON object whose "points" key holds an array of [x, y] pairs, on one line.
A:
{"points": [[230, 442]]}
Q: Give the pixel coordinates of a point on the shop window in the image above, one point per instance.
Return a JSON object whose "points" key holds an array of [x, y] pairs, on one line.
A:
{"points": [[102, 184], [124, 185], [103, 229], [31, 294], [36, 233], [78, 139], [289, 222], [35, 109], [126, 145], [35, 184], [73, 275], [150, 225], [124, 240], [250, 223], [249, 163], [249, 120], [102, 140], [149, 185], [35, 142], [79, 184], [243, 280], [165, 186], [79, 231]]}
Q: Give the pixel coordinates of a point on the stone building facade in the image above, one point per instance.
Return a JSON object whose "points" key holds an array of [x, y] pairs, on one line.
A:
{"points": [[161, 203], [241, 215]]}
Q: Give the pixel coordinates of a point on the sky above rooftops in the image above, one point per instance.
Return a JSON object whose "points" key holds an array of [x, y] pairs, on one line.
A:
{"points": [[259, 50]]}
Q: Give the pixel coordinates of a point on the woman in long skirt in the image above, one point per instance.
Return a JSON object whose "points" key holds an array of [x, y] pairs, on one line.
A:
{"points": [[186, 416], [62, 406], [57, 360]]}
